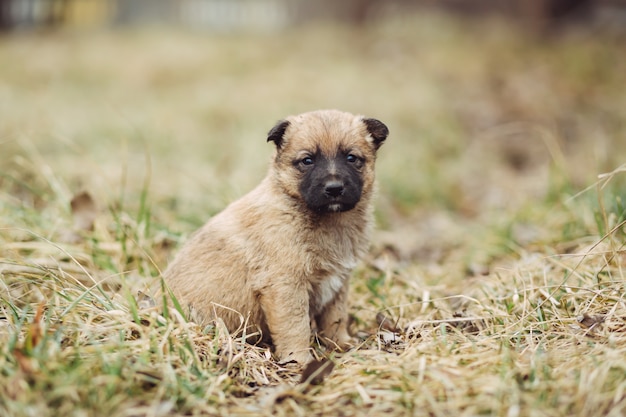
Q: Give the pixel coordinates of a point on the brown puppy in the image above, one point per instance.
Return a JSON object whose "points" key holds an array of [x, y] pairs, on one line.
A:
{"points": [[280, 256]]}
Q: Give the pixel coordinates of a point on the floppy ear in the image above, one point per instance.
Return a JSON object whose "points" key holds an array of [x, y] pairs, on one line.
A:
{"points": [[277, 133], [377, 130]]}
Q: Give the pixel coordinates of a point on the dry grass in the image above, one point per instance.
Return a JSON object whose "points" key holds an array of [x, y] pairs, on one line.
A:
{"points": [[499, 264]]}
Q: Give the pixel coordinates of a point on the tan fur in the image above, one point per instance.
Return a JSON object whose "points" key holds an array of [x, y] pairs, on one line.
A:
{"points": [[269, 262]]}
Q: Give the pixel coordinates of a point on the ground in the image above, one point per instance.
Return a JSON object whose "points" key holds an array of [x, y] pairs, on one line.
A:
{"points": [[495, 281]]}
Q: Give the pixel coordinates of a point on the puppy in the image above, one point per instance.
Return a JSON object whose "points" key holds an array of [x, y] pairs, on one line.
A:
{"points": [[278, 259]]}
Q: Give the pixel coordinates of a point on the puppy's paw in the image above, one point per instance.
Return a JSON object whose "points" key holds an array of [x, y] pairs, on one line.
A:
{"points": [[301, 357], [343, 343], [347, 344]]}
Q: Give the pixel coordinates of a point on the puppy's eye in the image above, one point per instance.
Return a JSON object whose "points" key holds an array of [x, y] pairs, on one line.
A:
{"points": [[307, 161], [351, 158]]}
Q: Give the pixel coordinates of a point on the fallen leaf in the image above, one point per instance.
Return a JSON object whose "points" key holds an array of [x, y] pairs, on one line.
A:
{"points": [[385, 323], [315, 372], [34, 333], [589, 322], [84, 211], [26, 363], [145, 301]]}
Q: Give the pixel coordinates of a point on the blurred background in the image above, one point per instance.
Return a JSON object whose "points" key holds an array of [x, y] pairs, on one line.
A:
{"points": [[502, 113], [274, 14]]}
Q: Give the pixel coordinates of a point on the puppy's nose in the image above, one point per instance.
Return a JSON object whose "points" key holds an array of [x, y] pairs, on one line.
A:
{"points": [[333, 188]]}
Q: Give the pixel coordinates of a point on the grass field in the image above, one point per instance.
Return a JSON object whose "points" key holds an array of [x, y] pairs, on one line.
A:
{"points": [[499, 259]]}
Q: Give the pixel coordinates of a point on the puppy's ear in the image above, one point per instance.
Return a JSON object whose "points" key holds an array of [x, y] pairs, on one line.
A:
{"points": [[277, 133], [377, 130]]}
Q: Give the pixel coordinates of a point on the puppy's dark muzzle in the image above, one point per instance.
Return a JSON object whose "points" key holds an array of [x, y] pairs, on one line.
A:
{"points": [[332, 185]]}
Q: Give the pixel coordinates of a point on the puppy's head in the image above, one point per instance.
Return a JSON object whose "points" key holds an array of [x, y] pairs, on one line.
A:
{"points": [[326, 158]]}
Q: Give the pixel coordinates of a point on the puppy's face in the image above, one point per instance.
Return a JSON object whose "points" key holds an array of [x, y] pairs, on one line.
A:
{"points": [[326, 158]]}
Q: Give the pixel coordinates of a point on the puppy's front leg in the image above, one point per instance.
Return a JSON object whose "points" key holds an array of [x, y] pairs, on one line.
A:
{"points": [[333, 320], [287, 315]]}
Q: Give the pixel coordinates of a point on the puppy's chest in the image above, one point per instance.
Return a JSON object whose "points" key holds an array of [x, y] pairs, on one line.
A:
{"points": [[324, 291], [331, 262]]}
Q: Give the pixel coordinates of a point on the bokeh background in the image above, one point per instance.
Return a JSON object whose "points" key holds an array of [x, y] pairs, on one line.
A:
{"points": [[494, 107]]}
